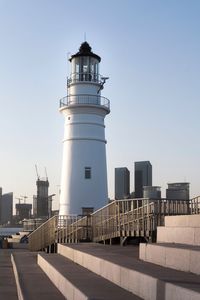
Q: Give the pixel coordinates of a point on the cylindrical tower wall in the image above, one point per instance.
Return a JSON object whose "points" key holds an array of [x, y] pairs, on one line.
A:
{"points": [[76, 190], [84, 147], [87, 88]]}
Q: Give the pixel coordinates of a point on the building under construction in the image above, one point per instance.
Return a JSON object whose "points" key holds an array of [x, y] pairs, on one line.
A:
{"points": [[23, 211], [41, 201], [41, 205]]}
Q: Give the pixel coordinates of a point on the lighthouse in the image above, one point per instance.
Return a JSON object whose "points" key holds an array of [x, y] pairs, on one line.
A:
{"points": [[84, 170]]}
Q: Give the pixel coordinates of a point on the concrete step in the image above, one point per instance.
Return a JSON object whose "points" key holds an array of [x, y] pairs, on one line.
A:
{"points": [[121, 265], [179, 235], [32, 282], [8, 289], [176, 256], [182, 221], [77, 283]]}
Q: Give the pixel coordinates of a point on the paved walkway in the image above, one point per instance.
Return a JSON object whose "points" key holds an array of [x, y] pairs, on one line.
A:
{"points": [[34, 283], [8, 290]]}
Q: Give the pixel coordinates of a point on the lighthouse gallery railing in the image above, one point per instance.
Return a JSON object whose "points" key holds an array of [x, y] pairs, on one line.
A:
{"points": [[85, 100], [120, 218]]}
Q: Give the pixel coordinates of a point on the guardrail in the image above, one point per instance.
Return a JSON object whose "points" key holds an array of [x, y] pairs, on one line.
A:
{"points": [[134, 217], [44, 235], [195, 205], [120, 218], [85, 76], [85, 100]]}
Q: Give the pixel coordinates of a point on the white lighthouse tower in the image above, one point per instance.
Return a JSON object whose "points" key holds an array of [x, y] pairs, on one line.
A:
{"points": [[84, 171]]}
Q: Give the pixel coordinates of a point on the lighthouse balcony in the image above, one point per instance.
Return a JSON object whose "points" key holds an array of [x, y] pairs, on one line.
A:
{"points": [[73, 100]]}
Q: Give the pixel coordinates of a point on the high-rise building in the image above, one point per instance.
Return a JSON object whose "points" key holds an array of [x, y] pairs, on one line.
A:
{"points": [[122, 183], [84, 171], [143, 177], [6, 208], [178, 191], [152, 192], [23, 211], [41, 201]]}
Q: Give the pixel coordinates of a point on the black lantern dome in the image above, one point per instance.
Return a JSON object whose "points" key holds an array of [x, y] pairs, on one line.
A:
{"points": [[85, 50]]}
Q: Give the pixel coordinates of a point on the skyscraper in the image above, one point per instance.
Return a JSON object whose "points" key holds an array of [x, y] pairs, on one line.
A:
{"points": [[143, 177], [6, 206], [122, 183]]}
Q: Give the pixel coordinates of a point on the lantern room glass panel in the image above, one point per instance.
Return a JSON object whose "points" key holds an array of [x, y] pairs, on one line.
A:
{"points": [[85, 68]]}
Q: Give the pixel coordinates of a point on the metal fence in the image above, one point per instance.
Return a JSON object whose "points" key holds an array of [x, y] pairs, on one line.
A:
{"points": [[120, 218]]}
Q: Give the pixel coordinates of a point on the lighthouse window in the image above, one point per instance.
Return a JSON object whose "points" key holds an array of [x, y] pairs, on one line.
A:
{"points": [[87, 173]]}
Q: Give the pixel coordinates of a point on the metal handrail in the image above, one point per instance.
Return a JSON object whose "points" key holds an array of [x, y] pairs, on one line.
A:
{"points": [[130, 217], [85, 99], [84, 77]]}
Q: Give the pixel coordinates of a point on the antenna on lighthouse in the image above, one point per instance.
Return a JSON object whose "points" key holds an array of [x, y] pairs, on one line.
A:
{"points": [[102, 83]]}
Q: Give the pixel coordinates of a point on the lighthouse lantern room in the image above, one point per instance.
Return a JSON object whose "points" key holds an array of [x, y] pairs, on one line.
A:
{"points": [[84, 171]]}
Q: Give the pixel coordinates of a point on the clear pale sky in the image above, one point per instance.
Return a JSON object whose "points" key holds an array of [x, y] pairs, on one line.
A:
{"points": [[150, 49]]}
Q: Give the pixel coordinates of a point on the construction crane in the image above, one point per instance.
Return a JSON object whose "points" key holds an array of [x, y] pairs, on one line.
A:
{"points": [[46, 173], [24, 197], [38, 177], [19, 199]]}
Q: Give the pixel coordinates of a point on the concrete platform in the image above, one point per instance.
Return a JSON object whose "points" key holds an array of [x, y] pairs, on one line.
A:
{"points": [[121, 266], [32, 282], [182, 221], [176, 256], [8, 289], [180, 235], [78, 283]]}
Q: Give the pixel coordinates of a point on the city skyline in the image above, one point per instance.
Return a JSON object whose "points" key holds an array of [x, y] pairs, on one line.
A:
{"points": [[149, 51]]}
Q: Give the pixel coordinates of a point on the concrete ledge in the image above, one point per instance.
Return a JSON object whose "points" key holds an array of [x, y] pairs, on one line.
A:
{"points": [[182, 221], [179, 235], [77, 283], [141, 278], [19, 290], [178, 257]]}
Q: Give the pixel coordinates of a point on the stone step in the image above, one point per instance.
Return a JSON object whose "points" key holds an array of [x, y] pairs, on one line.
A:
{"points": [[32, 282], [179, 235], [78, 283], [182, 221], [176, 256], [121, 265]]}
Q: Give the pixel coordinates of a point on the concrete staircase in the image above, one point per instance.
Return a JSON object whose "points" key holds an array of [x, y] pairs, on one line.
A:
{"points": [[178, 244], [121, 266], [162, 271], [54, 277], [76, 282]]}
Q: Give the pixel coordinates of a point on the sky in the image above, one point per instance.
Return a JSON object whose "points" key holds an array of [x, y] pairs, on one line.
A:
{"points": [[150, 51]]}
